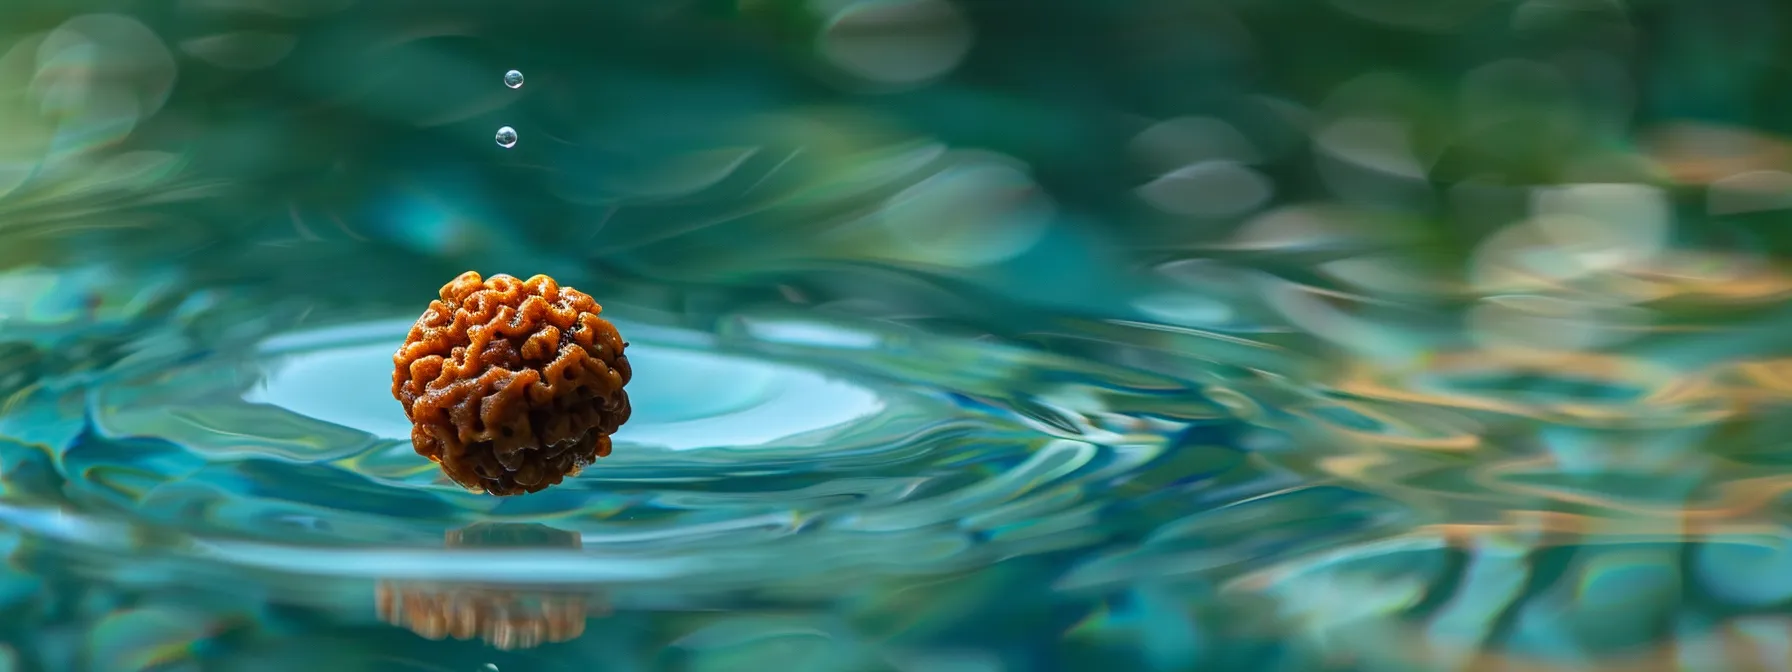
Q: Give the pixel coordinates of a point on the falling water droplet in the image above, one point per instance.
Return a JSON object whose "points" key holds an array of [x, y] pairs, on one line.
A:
{"points": [[506, 137], [491, 667], [513, 79]]}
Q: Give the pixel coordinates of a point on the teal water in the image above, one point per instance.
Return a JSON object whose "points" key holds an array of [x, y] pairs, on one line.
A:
{"points": [[967, 336]]}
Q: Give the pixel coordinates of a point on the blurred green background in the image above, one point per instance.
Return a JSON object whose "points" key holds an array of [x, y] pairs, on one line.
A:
{"points": [[1202, 334]]}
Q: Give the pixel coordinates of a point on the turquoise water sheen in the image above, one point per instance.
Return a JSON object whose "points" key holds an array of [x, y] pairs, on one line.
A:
{"points": [[966, 335]]}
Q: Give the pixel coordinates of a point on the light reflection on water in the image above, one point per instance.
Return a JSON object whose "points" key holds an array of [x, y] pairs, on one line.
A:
{"points": [[680, 410], [1206, 336]]}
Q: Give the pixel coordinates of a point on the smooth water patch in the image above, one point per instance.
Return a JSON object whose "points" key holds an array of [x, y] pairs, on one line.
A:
{"points": [[343, 376]]}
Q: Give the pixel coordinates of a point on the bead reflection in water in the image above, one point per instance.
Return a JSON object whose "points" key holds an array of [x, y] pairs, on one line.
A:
{"points": [[505, 616]]}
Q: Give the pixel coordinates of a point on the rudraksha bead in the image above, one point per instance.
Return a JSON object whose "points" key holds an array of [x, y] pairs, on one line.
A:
{"points": [[512, 385]]}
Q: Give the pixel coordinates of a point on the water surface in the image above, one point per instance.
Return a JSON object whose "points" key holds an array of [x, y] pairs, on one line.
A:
{"points": [[967, 336]]}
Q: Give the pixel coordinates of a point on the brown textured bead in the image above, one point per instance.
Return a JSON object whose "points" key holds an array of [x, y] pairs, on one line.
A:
{"points": [[512, 385]]}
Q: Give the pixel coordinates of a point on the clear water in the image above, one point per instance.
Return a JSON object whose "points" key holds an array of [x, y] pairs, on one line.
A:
{"points": [[967, 336]]}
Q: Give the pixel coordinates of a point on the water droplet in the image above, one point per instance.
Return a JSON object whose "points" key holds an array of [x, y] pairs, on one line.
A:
{"points": [[506, 137], [489, 667], [513, 79]]}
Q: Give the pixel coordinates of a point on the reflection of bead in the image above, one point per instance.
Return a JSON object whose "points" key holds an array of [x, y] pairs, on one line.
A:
{"points": [[512, 385], [506, 617]]}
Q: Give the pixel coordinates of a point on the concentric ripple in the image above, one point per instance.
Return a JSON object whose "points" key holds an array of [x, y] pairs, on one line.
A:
{"points": [[740, 468]]}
